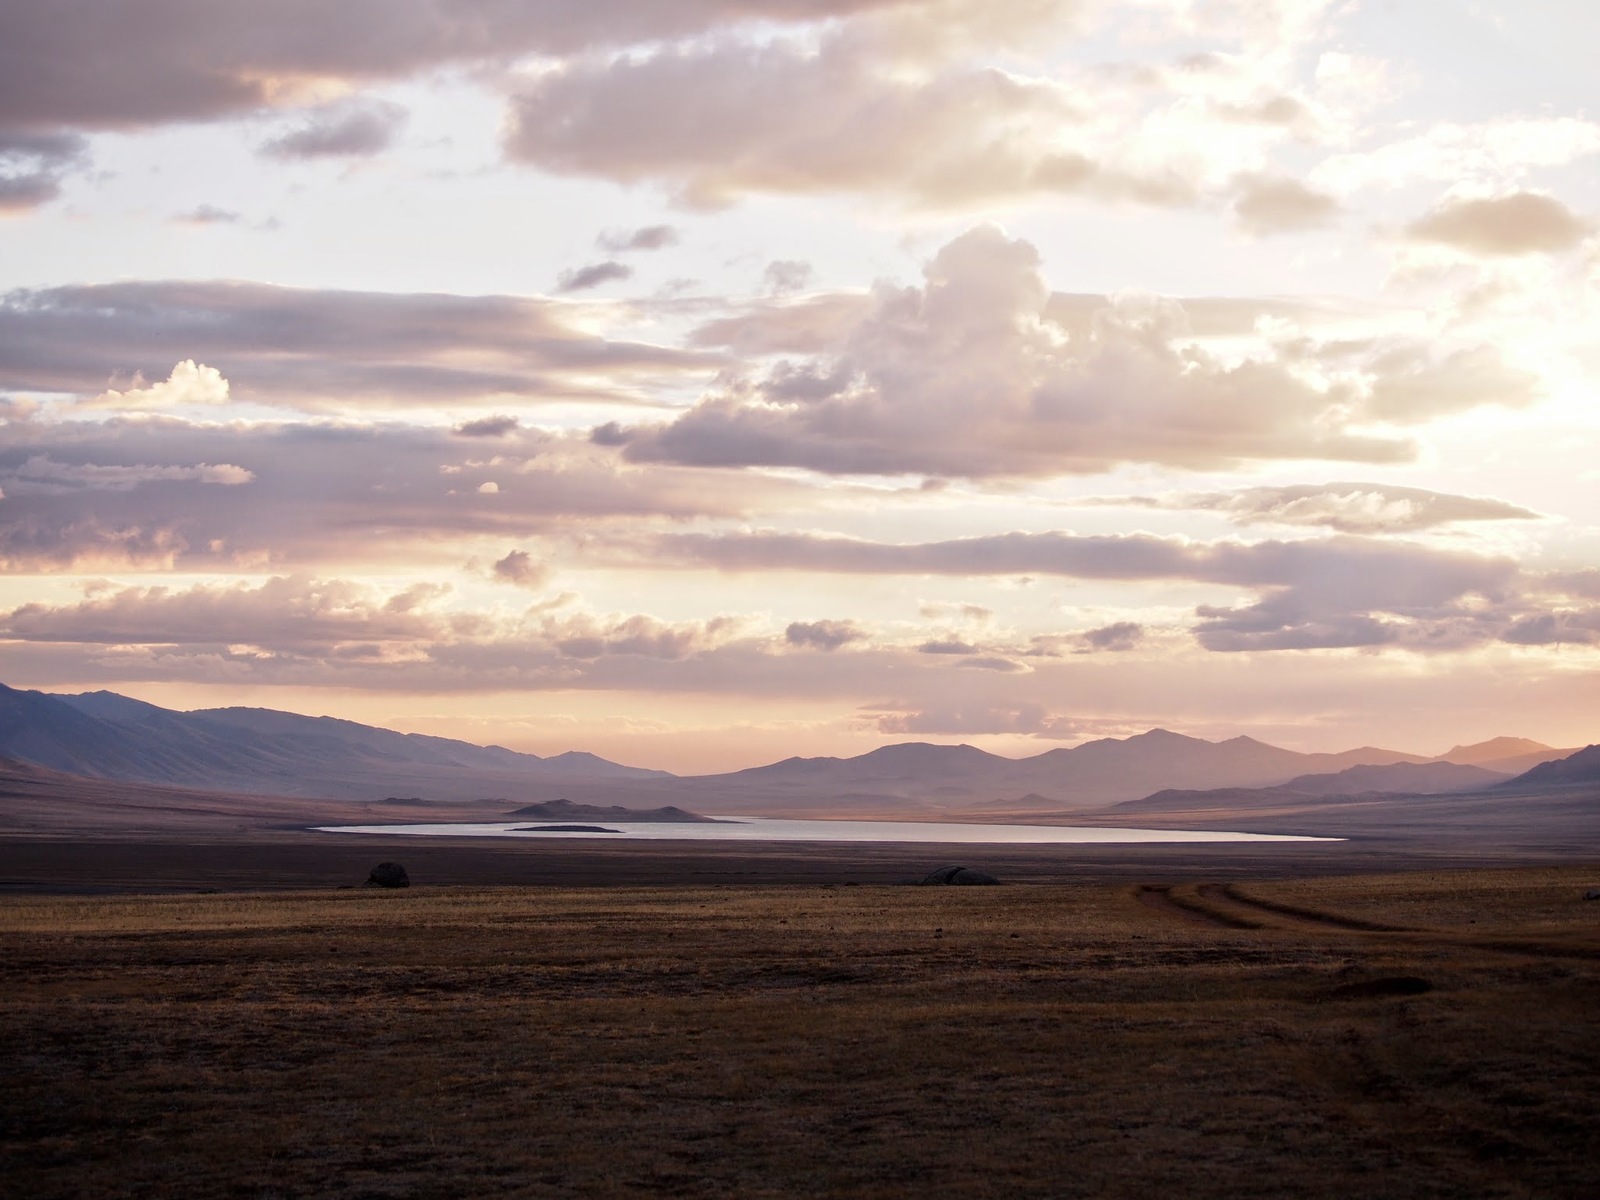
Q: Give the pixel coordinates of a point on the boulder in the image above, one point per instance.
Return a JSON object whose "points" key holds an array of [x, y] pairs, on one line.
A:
{"points": [[959, 877], [388, 875], [1592, 894]]}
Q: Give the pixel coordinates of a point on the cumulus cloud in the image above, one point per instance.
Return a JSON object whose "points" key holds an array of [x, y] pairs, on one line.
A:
{"points": [[647, 237], [519, 567], [1364, 508], [594, 275], [1272, 204], [823, 635], [320, 349], [350, 128], [1519, 223], [189, 383], [718, 119], [968, 376]]}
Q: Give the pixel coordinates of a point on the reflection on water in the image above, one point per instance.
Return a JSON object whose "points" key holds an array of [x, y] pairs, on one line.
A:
{"points": [[768, 829]]}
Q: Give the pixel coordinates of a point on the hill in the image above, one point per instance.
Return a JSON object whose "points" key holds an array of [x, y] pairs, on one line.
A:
{"points": [[1416, 779], [1580, 768]]}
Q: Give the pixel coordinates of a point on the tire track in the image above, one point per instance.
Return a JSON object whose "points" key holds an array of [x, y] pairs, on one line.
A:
{"points": [[1224, 905], [1166, 898], [1230, 893]]}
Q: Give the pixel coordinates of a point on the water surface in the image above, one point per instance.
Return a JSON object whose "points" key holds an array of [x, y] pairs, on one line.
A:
{"points": [[772, 829]]}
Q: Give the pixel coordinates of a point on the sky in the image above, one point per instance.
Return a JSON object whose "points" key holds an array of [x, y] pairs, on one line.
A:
{"points": [[704, 382]]}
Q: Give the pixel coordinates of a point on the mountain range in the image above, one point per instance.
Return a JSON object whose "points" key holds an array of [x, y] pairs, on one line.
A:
{"points": [[106, 736]]}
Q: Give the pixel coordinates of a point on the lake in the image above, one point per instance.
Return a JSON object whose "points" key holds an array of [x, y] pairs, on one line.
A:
{"points": [[769, 829]]}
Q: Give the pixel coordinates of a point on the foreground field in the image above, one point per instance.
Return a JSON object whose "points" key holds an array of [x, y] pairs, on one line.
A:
{"points": [[1422, 1034]]}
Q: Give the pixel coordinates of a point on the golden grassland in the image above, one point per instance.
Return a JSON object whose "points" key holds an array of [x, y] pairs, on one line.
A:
{"points": [[1419, 1034]]}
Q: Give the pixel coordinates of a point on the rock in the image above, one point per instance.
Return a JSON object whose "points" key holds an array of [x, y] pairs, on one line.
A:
{"points": [[388, 875], [1592, 894], [960, 877]]}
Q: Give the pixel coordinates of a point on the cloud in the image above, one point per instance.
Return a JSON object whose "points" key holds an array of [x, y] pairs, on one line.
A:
{"points": [[585, 637], [647, 237], [518, 567], [593, 276], [328, 627], [1118, 636], [1344, 564], [1412, 384], [977, 719], [823, 635], [1491, 151], [321, 349], [292, 614], [1364, 508], [947, 646], [40, 472], [1269, 205], [1519, 223], [208, 214], [176, 61], [722, 118], [33, 165], [189, 383], [324, 492], [488, 427], [1334, 592], [1569, 628], [786, 275], [968, 376], [350, 128]]}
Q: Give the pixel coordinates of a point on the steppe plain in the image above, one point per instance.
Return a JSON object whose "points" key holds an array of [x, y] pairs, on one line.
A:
{"points": [[195, 1002]]}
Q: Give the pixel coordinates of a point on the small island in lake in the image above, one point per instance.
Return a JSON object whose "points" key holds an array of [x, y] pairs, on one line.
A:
{"points": [[564, 829], [566, 810]]}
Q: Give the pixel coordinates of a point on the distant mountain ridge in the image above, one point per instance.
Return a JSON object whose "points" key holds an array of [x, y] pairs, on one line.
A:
{"points": [[1397, 781], [107, 736]]}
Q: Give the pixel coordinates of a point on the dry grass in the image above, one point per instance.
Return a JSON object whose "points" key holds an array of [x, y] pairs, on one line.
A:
{"points": [[805, 1041]]}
